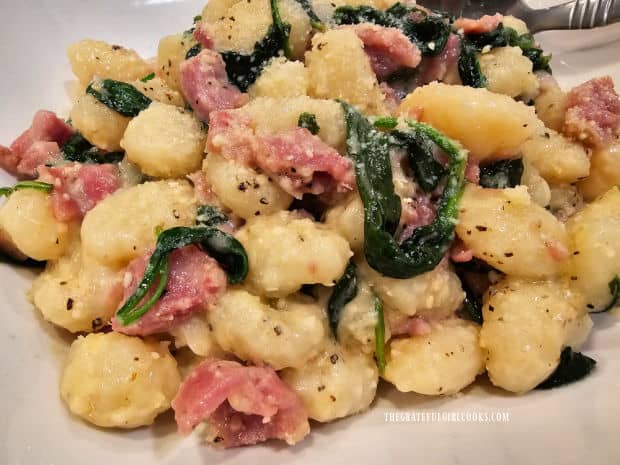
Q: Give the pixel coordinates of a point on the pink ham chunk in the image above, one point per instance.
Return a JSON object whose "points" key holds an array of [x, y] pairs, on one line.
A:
{"points": [[205, 85], [38, 145], [460, 253], [416, 212], [78, 188], [303, 163], [243, 405], [195, 281], [202, 35], [387, 48], [478, 26], [299, 161], [443, 67], [593, 112], [410, 326]]}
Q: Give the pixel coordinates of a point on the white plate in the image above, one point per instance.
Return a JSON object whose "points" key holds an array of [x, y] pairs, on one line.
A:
{"points": [[578, 424]]}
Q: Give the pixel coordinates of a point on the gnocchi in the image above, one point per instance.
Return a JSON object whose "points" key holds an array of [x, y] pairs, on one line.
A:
{"points": [[286, 334], [279, 265], [441, 363], [526, 325], [112, 380], [165, 141], [536, 245]]}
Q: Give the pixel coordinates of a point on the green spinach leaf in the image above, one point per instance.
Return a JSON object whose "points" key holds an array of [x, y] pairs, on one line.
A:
{"points": [[508, 37], [369, 149], [78, 149], [308, 121], [36, 185], [502, 174], [148, 77], [210, 216], [573, 366], [119, 96], [614, 290], [428, 171], [193, 51], [223, 247], [469, 67], [430, 34], [344, 292], [315, 21], [242, 69]]}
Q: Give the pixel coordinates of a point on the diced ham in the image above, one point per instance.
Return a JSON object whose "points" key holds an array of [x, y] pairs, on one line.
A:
{"points": [[593, 112], [79, 187], [443, 67], [202, 35], [303, 163], [416, 212], [460, 253], [298, 161], [410, 326], [205, 85], [478, 26], [387, 48], [392, 99], [231, 134], [38, 145], [202, 190], [195, 281], [472, 170], [243, 405]]}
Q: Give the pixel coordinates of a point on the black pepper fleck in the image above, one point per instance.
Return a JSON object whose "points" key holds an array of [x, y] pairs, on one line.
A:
{"points": [[333, 358], [69, 303]]}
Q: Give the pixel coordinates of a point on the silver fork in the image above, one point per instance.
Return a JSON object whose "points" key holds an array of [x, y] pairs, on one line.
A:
{"points": [[577, 14]]}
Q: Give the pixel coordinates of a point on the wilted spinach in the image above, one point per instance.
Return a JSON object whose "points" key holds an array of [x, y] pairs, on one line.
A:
{"points": [[119, 96], [369, 148], [78, 149], [344, 292], [430, 33], [502, 174], [573, 366], [224, 248], [308, 121], [243, 69]]}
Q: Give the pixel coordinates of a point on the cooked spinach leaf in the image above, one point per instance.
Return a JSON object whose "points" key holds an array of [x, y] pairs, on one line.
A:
{"points": [[428, 171], [379, 336], [472, 306], [36, 185], [308, 121], [242, 69], [614, 290], [119, 96], [385, 122], [502, 174], [430, 33], [469, 67], [148, 77], [315, 21], [344, 292], [573, 366], [193, 51], [210, 216], [508, 37], [369, 149], [224, 248], [78, 149]]}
